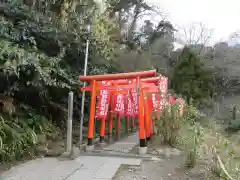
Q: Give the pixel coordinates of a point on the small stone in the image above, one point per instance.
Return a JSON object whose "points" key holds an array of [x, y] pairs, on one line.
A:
{"points": [[144, 177], [53, 153], [160, 151], [130, 170]]}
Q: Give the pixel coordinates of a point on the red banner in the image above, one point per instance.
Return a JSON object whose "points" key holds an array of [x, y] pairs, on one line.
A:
{"points": [[163, 84], [156, 103], [118, 103], [134, 98], [172, 99], [103, 101], [132, 103], [129, 107]]}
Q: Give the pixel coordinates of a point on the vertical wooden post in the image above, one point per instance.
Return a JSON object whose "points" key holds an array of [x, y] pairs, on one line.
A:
{"points": [[110, 126], [132, 123], [118, 129], [126, 124], [92, 114], [110, 121], [234, 112], [151, 127], [142, 137]]}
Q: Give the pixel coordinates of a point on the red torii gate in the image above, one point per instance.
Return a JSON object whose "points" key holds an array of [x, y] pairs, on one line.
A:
{"points": [[121, 78], [148, 84]]}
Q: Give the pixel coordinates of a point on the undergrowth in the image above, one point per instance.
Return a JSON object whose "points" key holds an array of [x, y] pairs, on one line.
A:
{"points": [[199, 137], [18, 135], [227, 149]]}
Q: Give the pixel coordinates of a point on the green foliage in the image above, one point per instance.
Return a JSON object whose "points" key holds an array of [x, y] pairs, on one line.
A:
{"points": [[31, 67], [190, 78], [42, 49], [182, 132], [227, 152], [168, 124], [190, 136], [192, 143], [190, 114], [18, 135]]}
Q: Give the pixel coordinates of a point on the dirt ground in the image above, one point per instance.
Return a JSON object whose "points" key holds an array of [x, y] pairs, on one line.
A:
{"points": [[167, 170], [164, 168]]}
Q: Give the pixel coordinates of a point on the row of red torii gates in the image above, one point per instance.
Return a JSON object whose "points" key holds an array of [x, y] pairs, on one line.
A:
{"points": [[134, 94]]}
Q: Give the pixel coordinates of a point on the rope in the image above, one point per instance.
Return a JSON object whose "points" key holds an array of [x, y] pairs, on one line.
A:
{"points": [[216, 156]]}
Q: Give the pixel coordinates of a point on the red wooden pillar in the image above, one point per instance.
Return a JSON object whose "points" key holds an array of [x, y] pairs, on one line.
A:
{"points": [[142, 137], [147, 118], [92, 115]]}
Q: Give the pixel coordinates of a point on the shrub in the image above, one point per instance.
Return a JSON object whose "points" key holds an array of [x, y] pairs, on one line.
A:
{"points": [[19, 134], [182, 132], [190, 78], [168, 123], [190, 136], [191, 140]]}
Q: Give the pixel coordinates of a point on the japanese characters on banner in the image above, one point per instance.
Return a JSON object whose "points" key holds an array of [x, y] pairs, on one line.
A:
{"points": [[126, 104], [129, 107], [158, 98], [156, 102], [119, 105], [163, 84], [103, 101], [134, 101]]}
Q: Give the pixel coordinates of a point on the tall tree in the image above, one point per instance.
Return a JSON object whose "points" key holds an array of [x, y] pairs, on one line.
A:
{"points": [[190, 78]]}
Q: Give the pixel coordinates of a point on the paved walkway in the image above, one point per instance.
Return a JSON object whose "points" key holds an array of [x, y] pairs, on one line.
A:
{"points": [[85, 167], [125, 145]]}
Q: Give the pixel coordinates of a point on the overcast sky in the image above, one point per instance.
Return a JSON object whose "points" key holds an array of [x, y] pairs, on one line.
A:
{"points": [[222, 16]]}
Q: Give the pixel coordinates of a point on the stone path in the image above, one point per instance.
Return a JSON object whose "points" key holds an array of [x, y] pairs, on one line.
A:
{"points": [[125, 145], [85, 167]]}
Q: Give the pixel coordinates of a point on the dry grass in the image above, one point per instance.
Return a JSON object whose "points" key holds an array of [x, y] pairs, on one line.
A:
{"points": [[204, 141], [227, 148]]}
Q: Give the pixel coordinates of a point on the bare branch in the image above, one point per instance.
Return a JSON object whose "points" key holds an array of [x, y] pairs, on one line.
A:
{"points": [[193, 34]]}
